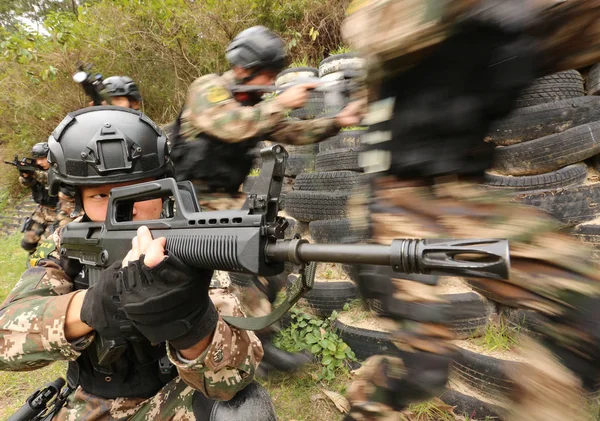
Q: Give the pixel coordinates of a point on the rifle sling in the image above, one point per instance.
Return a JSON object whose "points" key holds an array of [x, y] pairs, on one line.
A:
{"points": [[294, 292]]}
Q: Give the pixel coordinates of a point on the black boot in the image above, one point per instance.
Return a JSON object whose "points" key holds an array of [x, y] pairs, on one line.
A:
{"points": [[276, 359]]}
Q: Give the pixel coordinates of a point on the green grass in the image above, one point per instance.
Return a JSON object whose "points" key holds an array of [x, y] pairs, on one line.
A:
{"points": [[12, 263], [301, 62], [342, 49], [254, 171], [499, 336], [299, 397], [432, 410]]}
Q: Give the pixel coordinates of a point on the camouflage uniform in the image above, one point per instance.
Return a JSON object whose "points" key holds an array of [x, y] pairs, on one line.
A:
{"points": [[42, 218], [551, 273], [211, 109], [32, 336], [65, 211]]}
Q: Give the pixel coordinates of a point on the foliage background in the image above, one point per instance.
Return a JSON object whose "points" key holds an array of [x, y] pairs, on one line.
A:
{"points": [[162, 44]]}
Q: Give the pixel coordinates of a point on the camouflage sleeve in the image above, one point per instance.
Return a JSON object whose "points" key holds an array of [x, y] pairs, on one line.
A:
{"points": [[210, 108], [229, 362], [32, 319], [26, 181], [41, 176], [304, 132]]}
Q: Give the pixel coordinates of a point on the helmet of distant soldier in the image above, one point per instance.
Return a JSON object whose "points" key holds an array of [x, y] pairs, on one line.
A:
{"points": [[40, 150], [105, 145], [257, 48], [122, 86]]}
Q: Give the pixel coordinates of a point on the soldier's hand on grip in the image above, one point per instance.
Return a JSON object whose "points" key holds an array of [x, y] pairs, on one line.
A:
{"points": [[101, 309], [165, 299], [351, 115], [296, 96]]}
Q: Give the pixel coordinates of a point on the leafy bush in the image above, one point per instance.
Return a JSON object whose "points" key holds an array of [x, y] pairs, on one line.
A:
{"points": [[162, 44], [316, 335]]}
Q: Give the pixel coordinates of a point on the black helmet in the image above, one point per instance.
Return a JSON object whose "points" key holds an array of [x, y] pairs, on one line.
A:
{"points": [[105, 145], [122, 86], [40, 150], [259, 48]]}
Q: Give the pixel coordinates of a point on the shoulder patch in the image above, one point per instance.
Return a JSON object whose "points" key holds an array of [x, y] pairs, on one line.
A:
{"points": [[42, 251], [217, 94]]}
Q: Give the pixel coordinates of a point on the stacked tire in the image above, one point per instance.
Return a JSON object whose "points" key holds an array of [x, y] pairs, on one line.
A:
{"points": [[321, 192], [542, 148], [301, 158], [321, 197]]}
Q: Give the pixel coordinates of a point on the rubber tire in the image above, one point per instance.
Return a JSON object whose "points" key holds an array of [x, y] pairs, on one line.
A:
{"points": [[523, 321], [470, 315], [314, 106], [293, 73], [326, 297], [549, 153], [589, 234], [470, 406], [568, 176], [299, 163], [538, 121], [310, 206], [343, 140], [365, 342], [483, 373], [338, 160], [554, 87], [571, 205], [337, 231], [327, 181], [311, 149], [592, 82], [341, 62]]}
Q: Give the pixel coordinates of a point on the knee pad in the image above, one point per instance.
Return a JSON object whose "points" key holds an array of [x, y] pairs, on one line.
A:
{"points": [[426, 377], [27, 245], [253, 403]]}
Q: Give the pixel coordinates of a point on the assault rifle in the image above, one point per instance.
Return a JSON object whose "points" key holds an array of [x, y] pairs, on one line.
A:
{"points": [[25, 165], [91, 84], [251, 240], [337, 88]]}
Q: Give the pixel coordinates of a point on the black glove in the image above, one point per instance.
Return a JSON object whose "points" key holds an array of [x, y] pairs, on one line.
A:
{"points": [[101, 307], [168, 302]]}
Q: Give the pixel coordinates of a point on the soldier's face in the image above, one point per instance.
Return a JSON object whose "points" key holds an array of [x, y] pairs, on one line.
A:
{"points": [[42, 162], [264, 78], [95, 203], [123, 101]]}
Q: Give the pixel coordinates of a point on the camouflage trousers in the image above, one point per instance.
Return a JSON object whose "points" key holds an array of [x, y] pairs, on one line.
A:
{"points": [[551, 273], [254, 301], [41, 225]]}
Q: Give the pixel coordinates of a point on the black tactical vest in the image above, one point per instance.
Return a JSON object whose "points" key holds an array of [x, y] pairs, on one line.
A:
{"points": [[141, 371], [221, 166]]}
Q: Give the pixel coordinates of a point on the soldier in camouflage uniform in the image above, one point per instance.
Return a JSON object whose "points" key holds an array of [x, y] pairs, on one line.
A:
{"points": [[123, 92], [439, 75], [217, 129], [174, 363], [41, 223]]}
